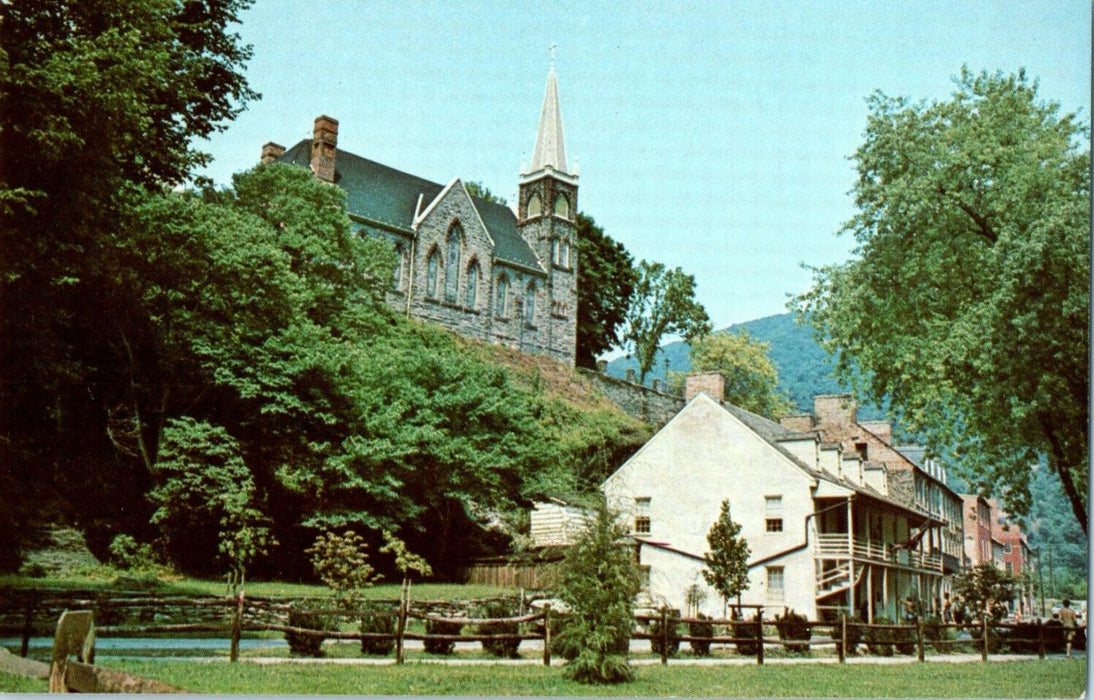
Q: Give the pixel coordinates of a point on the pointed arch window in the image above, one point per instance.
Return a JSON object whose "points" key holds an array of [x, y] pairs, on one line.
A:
{"points": [[453, 244], [472, 297], [535, 205], [530, 303], [501, 297], [397, 275], [562, 206], [432, 268]]}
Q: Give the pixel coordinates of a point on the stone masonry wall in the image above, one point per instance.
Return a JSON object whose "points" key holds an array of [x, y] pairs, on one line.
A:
{"points": [[643, 403]]}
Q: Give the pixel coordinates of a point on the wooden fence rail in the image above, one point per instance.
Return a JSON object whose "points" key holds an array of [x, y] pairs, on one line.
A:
{"points": [[245, 614]]}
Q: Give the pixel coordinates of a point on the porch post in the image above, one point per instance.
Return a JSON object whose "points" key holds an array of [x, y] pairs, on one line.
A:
{"points": [[885, 586], [850, 558], [870, 595]]}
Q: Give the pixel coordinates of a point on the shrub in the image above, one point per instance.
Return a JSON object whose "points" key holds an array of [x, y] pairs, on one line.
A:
{"points": [[700, 629], [440, 646], [502, 648], [879, 642], [794, 631], [378, 620], [341, 562], [671, 630], [566, 641], [1055, 638], [854, 634], [127, 553], [936, 634], [747, 629], [599, 582], [306, 644], [904, 638]]}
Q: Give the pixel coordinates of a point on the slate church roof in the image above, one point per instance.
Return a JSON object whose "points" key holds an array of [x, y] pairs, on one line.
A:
{"points": [[384, 200]]}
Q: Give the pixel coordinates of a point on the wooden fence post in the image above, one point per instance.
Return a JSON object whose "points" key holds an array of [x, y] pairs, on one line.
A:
{"points": [[237, 628], [547, 634], [919, 637], [984, 650], [1040, 639], [28, 622], [400, 626], [760, 636], [664, 636], [843, 638]]}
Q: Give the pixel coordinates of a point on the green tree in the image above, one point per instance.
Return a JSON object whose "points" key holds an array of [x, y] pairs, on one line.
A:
{"points": [[750, 377], [967, 305], [99, 100], [985, 589], [205, 486], [725, 565], [599, 582], [662, 303], [605, 279], [477, 189]]}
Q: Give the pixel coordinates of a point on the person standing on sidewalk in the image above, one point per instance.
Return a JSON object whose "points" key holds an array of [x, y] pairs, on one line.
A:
{"points": [[1068, 617]]}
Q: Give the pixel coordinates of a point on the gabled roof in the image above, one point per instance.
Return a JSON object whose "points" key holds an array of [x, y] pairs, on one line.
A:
{"points": [[771, 433], [386, 198]]}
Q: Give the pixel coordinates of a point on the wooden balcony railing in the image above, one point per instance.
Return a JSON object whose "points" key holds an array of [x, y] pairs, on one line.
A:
{"points": [[837, 545]]}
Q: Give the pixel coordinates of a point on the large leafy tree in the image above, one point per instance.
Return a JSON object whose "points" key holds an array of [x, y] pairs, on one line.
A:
{"points": [[750, 376], [725, 565], [99, 101], [662, 303], [605, 279], [967, 304]]}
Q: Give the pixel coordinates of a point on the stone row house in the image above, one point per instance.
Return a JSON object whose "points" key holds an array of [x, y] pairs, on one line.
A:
{"points": [[477, 267], [836, 517]]}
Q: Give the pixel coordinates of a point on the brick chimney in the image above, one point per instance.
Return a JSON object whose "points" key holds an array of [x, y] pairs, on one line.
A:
{"points": [[323, 145], [835, 409], [270, 152], [711, 382]]}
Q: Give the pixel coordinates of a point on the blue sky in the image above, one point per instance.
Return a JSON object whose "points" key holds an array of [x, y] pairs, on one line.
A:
{"points": [[713, 136]]}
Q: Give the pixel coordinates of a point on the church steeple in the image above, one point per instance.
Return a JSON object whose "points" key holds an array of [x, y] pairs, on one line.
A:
{"points": [[550, 147]]}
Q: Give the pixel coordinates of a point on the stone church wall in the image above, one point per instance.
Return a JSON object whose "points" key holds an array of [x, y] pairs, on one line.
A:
{"points": [[643, 403]]}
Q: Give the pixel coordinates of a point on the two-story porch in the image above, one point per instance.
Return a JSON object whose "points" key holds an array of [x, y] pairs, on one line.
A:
{"points": [[870, 554]]}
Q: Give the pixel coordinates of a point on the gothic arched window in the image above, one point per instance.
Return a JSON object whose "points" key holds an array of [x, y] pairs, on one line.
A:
{"points": [[432, 267], [562, 206], [452, 263], [535, 205], [501, 296], [530, 303], [472, 297], [397, 276]]}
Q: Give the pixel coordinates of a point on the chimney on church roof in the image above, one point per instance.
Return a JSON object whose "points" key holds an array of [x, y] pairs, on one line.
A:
{"points": [[270, 152], [323, 148]]}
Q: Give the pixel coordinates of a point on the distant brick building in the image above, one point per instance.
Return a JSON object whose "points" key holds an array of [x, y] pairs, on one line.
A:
{"points": [[476, 267]]}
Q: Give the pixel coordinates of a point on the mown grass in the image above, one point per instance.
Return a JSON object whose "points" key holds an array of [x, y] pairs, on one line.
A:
{"points": [[1050, 678], [193, 586]]}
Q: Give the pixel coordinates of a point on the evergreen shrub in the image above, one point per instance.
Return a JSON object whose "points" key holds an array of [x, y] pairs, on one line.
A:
{"points": [[747, 630], [657, 631], [700, 629], [378, 619], [879, 642], [502, 648], [440, 646], [936, 634], [306, 644], [854, 634], [794, 631]]}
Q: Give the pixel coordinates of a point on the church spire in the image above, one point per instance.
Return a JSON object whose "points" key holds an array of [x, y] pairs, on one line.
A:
{"points": [[550, 148]]}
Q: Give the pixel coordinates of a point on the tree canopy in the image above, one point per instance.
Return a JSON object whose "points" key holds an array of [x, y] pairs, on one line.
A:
{"points": [[605, 279], [750, 377], [967, 304], [662, 303]]}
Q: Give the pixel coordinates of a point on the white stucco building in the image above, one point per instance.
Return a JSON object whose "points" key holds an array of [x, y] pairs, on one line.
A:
{"points": [[824, 535]]}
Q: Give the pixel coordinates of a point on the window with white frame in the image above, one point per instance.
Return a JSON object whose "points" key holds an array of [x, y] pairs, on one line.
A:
{"points": [[642, 521], [775, 584], [773, 513]]}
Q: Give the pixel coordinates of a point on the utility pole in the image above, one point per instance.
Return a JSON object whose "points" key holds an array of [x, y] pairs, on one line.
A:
{"points": [[1041, 577]]}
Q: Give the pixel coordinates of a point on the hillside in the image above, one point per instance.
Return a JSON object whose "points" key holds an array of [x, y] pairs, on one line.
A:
{"points": [[804, 367]]}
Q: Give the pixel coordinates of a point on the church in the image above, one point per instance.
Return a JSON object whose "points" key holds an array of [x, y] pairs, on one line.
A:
{"points": [[476, 267]]}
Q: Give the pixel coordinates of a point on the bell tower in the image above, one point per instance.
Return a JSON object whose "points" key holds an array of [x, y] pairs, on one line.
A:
{"points": [[546, 219]]}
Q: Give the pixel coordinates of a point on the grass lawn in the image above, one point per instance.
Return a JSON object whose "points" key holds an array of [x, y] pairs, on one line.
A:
{"points": [[193, 586], [1051, 678]]}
